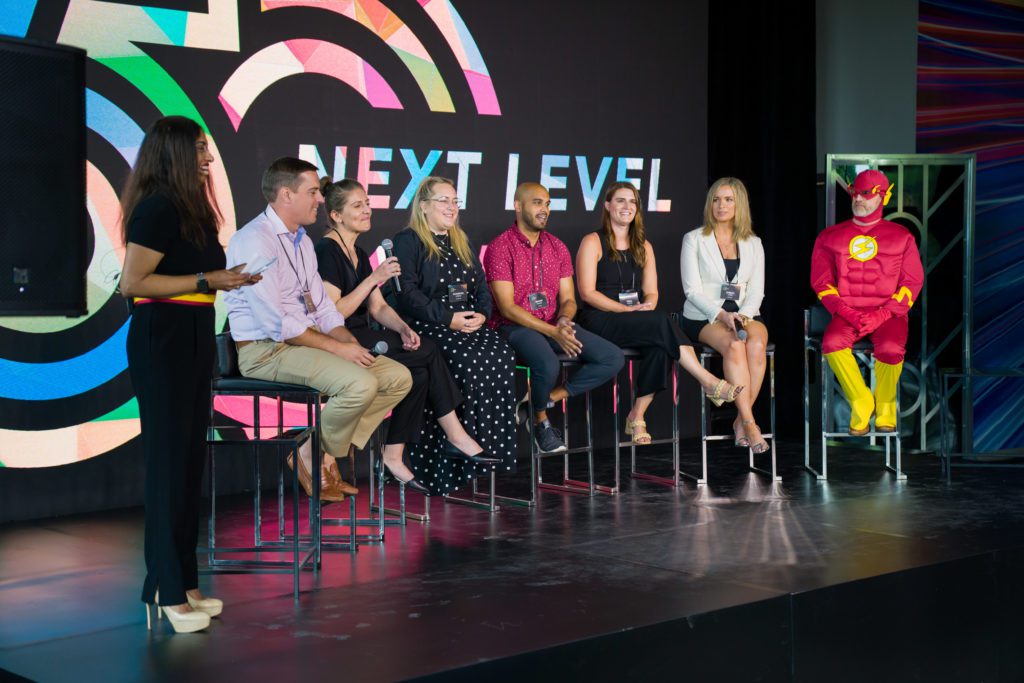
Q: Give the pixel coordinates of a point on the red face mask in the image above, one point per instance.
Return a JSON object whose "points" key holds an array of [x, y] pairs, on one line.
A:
{"points": [[869, 184]]}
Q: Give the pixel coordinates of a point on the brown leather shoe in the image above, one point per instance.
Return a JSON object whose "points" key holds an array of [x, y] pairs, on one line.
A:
{"points": [[328, 491], [885, 429], [333, 474]]}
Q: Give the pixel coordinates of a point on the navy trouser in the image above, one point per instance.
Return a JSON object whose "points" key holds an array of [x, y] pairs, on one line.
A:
{"points": [[601, 360]]}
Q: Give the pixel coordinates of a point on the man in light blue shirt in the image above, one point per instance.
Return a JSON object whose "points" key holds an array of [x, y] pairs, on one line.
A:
{"points": [[288, 330]]}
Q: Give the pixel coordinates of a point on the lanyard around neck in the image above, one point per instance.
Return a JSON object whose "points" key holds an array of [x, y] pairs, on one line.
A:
{"points": [[303, 282], [622, 285], [540, 257]]}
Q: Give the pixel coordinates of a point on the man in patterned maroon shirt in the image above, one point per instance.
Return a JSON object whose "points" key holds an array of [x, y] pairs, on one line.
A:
{"points": [[530, 274]]}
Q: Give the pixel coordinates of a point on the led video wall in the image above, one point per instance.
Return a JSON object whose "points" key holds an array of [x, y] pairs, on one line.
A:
{"points": [[575, 95], [970, 99]]}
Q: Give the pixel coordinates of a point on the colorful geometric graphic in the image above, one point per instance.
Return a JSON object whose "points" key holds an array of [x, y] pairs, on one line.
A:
{"points": [[299, 56], [48, 447], [127, 42], [111, 33], [383, 22], [388, 27], [970, 80], [444, 16]]}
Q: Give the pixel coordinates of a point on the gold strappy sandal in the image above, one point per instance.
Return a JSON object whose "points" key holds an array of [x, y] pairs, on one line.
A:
{"points": [[718, 398], [638, 430]]}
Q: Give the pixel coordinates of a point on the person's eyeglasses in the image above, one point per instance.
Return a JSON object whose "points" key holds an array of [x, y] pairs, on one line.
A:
{"points": [[449, 201], [864, 193]]}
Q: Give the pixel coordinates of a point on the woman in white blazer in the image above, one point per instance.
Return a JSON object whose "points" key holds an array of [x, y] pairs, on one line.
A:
{"points": [[722, 265]]}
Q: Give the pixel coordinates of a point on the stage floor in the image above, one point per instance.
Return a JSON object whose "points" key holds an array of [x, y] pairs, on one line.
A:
{"points": [[470, 587]]}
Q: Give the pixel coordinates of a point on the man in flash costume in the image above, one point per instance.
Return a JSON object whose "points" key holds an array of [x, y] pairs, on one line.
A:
{"points": [[867, 272]]}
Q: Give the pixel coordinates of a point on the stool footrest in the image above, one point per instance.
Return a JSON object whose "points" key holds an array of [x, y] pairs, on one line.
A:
{"points": [[847, 435], [667, 481], [472, 502], [600, 488], [415, 516]]}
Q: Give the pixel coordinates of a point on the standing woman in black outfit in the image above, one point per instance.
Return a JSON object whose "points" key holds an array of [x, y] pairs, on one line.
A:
{"points": [[353, 285], [618, 282], [445, 298], [172, 265]]}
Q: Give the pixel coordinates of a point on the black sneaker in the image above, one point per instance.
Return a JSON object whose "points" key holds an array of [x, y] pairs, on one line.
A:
{"points": [[547, 438], [523, 410]]}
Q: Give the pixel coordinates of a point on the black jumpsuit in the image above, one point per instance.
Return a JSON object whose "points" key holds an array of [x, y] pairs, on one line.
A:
{"points": [[170, 359]]}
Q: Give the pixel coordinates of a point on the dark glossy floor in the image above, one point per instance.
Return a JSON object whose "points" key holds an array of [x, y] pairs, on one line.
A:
{"points": [[471, 587]]}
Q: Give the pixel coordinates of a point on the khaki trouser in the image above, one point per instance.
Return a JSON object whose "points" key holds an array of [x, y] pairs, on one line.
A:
{"points": [[360, 398]]}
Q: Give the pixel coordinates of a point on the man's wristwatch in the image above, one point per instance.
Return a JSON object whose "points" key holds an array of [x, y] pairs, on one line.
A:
{"points": [[201, 284]]}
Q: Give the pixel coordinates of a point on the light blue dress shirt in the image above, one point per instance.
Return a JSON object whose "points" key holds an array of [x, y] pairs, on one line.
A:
{"points": [[273, 308]]}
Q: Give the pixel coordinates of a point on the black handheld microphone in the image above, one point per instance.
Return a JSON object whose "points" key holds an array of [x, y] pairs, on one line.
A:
{"points": [[380, 348], [387, 246], [741, 333]]}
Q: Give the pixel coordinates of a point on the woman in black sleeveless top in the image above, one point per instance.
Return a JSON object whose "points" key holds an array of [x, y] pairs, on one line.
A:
{"points": [[618, 282], [353, 285]]}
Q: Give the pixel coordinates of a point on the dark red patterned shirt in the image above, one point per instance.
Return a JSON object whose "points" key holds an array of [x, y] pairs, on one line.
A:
{"points": [[537, 268]]}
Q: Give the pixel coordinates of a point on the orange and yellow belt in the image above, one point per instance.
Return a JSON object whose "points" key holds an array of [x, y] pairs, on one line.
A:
{"points": [[196, 299]]}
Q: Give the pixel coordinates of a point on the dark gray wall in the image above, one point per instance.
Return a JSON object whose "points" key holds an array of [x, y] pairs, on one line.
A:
{"points": [[867, 77]]}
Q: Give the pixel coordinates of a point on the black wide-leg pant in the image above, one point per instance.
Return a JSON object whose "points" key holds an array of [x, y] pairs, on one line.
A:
{"points": [[654, 334], [431, 381], [170, 358]]}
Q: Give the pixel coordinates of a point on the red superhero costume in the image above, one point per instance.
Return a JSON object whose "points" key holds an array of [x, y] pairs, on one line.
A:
{"points": [[867, 272]]}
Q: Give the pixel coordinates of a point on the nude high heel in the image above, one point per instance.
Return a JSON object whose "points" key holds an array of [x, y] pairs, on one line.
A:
{"points": [[186, 622], [211, 606], [181, 622]]}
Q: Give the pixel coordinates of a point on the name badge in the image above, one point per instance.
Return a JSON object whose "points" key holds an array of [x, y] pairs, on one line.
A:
{"points": [[458, 293], [307, 301], [630, 297], [538, 300], [731, 292]]}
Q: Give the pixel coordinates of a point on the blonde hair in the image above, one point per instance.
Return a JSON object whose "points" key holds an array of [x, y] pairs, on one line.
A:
{"points": [[418, 223], [742, 225]]}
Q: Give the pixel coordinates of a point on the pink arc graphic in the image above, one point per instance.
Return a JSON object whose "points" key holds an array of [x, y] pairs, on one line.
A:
{"points": [[387, 26], [300, 56]]}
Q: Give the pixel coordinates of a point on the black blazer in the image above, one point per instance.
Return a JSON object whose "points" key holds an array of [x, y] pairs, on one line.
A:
{"points": [[421, 298]]}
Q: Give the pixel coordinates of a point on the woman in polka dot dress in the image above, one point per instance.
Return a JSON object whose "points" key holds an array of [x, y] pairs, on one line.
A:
{"points": [[445, 297]]}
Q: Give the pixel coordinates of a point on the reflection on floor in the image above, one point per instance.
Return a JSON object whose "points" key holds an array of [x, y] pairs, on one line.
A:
{"points": [[471, 587]]}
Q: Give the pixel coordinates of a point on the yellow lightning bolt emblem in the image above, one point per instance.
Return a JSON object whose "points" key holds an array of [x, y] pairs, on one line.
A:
{"points": [[863, 248]]}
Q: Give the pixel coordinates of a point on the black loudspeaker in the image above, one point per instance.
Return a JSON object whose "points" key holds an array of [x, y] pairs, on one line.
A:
{"points": [[44, 229]]}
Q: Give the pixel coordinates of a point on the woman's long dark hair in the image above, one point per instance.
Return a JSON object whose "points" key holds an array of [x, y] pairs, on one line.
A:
{"points": [[637, 234], [168, 163]]}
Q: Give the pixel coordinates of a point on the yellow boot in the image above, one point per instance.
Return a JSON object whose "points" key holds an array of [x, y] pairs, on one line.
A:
{"points": [[862, 404], [887, 378]]}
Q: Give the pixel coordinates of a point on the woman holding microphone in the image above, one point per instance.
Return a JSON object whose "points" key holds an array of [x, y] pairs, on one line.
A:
{"points": [[353, 284], [722, 266]]}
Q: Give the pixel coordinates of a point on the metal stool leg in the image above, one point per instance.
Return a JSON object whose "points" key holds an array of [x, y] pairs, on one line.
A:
{"points": [[770, 436], [673, 439]]}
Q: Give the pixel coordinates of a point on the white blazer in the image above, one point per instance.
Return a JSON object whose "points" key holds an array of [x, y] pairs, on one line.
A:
{"points": [[703, 272]]}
